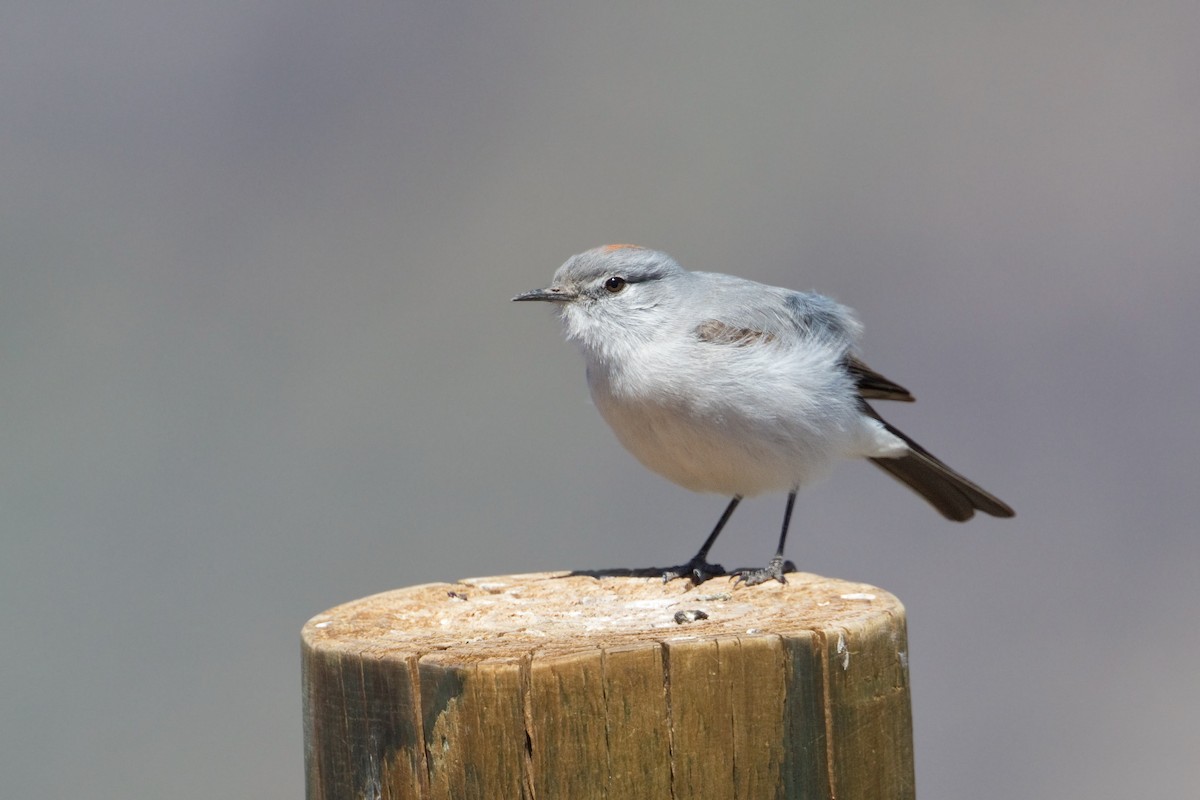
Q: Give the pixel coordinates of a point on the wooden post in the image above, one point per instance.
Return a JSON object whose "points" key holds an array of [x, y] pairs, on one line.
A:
{"points": [[556, 685]]}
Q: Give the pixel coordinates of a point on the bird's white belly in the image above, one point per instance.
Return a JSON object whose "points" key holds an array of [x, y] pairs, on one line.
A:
{"points": [[735, 421], [717, 450]]}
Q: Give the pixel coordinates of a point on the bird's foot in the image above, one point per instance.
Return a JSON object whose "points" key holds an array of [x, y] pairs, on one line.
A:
{"points": [[698, 570], [775, 570]]}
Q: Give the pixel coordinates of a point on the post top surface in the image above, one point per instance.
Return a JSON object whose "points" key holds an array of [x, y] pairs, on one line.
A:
{"points": [[506, 617]]}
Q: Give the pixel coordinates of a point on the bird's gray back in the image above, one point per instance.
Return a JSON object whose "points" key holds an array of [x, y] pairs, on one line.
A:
{"points": [[775, 311]]}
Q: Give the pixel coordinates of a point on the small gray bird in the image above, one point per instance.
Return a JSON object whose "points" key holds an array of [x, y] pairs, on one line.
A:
{"points": [[725, 385]]}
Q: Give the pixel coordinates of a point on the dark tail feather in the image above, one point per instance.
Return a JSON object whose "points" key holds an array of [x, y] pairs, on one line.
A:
{"points": [[947, 491]]}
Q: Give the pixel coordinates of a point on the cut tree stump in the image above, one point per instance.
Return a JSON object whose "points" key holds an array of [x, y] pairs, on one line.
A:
{"points": [[561, 685]]}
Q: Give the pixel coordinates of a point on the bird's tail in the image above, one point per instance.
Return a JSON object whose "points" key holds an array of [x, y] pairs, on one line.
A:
{"points": [[951, 494]]}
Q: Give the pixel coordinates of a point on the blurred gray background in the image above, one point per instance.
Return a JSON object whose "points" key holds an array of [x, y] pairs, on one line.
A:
{"points": [[257, 355]]}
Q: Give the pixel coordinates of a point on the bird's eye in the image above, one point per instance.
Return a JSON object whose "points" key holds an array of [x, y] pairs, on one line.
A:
{"points": [[615, 284]]}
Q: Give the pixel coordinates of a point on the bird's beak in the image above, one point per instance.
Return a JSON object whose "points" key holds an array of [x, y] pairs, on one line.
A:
{"points": [[552, 294]]}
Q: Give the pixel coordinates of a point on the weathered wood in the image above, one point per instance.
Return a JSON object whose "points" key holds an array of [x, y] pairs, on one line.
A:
{"points": [[554, 686]]}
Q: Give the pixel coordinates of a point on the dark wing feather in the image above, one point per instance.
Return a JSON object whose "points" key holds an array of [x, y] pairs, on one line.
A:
{"points": [[873, 386], [714, 331]]}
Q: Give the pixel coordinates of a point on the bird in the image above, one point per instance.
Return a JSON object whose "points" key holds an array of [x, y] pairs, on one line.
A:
{"points": [[725, 385]]}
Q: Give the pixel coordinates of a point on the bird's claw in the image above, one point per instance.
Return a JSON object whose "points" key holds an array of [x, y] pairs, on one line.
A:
{"points": [[697, 571], [774, 570]]}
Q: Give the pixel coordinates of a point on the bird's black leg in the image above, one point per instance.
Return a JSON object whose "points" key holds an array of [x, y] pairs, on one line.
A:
{"points": [[776, 568], [698, 570]]}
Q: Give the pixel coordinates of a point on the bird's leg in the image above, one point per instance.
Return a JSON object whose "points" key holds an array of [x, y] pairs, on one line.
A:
{"points": [[698, 570], [776, 568]]}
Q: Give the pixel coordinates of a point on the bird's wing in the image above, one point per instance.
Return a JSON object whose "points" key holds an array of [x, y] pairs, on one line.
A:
{"points": [[754, 314], [715, 331], [873, 386], [746, 313]]}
